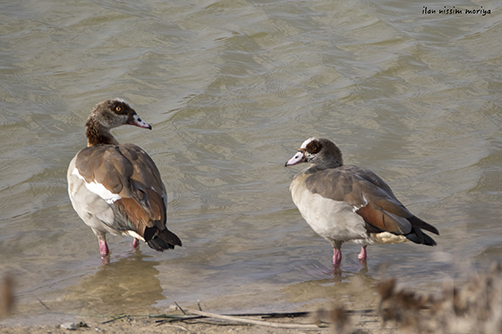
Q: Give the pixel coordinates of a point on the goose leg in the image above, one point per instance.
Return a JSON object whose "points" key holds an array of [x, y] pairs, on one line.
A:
{"points": [[337, 260], [337, 257], [362, 255], [337, 253], [103, 246], [104, 251]]}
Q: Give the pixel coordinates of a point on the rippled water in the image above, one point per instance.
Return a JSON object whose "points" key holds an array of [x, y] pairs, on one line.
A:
{"points": [[232, 88]]}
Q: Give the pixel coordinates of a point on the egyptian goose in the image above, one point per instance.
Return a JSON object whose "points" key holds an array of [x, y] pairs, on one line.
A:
{"points": [[350, 204], [116, 188]]}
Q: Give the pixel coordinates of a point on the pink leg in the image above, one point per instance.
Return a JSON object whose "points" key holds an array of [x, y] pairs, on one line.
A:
{"points": [[135, 243], [362, 255], [104, 251], [103, 248], [337, 258]]}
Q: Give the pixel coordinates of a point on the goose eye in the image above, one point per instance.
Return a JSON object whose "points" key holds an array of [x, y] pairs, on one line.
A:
{"points": [[314, 147], [118, 108]]}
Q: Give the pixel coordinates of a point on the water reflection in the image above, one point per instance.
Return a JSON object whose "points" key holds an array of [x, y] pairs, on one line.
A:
{"points": [[357, 289], [126, 285]]}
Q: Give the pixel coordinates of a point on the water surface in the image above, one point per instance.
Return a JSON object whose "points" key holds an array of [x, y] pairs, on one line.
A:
{"points": [[232, 88]]}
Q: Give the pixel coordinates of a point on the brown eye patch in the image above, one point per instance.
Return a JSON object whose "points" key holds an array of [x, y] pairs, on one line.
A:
{"points": [[119, 108], [313, 147]]}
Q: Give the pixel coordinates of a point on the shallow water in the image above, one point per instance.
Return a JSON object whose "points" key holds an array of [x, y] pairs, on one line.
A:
{"points": [[232, 88]]}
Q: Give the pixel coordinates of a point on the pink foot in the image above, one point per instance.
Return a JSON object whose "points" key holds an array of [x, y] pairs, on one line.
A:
{"points": [[362, 255], [135, 243]]}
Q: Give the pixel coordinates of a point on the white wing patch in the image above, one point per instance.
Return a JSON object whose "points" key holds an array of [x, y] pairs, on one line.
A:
{"points": [[134, 235], [98, 189], [355, 207]]}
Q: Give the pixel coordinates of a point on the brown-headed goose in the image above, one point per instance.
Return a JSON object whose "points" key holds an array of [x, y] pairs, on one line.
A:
{"points": [[350, 204], [116, 188]]}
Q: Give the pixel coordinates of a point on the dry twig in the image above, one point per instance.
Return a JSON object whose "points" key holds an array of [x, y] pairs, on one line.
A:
{"points": [[251, 321]]}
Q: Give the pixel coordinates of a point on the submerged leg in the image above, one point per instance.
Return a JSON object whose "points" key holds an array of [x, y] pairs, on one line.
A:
{"points": [[135, 243], [362, 255]]}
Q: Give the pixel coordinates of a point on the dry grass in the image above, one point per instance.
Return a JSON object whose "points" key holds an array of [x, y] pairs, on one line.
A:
{"points": [[474, 307]]}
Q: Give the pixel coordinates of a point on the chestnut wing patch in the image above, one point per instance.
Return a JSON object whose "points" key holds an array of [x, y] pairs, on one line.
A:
{"points": [[127, 171], [370, 196]]}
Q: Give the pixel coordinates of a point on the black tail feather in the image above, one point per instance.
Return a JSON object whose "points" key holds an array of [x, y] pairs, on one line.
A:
{"points": [[164, 240], [426, 239], [417, 222]]}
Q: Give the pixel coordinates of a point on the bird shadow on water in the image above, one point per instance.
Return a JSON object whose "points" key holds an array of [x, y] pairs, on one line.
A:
{"points": [[125, 286]]}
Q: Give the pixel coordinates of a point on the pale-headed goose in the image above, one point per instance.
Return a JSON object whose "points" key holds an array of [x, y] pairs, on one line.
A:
{"points": [[350, 204], [116, 188]]}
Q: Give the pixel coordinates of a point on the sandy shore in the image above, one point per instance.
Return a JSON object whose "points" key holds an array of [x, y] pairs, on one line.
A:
{"points": [[367, 323]]}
